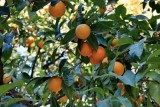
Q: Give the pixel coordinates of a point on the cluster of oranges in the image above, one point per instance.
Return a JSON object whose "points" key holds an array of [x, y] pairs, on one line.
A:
{"points": [[96, 56], [30, 40], [55, 85]]}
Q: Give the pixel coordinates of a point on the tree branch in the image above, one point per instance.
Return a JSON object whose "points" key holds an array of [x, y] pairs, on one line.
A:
{"points": [[1, 68]]}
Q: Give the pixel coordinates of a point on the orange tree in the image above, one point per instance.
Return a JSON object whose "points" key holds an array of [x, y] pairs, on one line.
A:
{"points": [[79, 53]]}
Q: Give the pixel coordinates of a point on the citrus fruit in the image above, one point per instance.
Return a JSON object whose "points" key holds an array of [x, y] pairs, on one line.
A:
{"points": [[83, 31], [14, 26], [102, 10], [118, 68], [100, 54], [63, 99], [55, 84], [57, 10], [7, 79], [119, 85], [93, 62], [114, 42], [30, 40], [86, 49], [40, 44]]}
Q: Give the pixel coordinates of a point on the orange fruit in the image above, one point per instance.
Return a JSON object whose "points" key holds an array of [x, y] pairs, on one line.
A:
{"points": [[102, 10], [86, 49], [105, 33], [14, 26], [119, 85], [72, 18], [57, 10], [114, 42], [100, 54], [83, 31], [118, 68], [76, 96], [40, 44], [30, 40], [7, 79], [63, 99], [55, 84], [140, 99], [93, 62], [83, 73]]}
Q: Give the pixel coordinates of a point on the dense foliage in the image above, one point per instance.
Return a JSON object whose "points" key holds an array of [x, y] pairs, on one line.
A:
{"points": [[89, 53]]}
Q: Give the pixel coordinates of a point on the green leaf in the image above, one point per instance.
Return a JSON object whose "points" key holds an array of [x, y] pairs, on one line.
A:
{"points": [[48, 42], [39, 4], [100, 3], [20, 4], [68, 91], [62, 63], [154, 91], [9, 86], [153, 60], [104, 103], [112, 2], [136, 49], [92, 19], [125, 101], [120, 10], [101, 40], [54, 55], [111, 65], [69, 36], [1, 40], [153, 75], [92, 40], [15, 100], [68, 79], [6, 51], [97, 90], [140, 17], [123, 41], [53, 101], [33, 81], [128, 78], [40, 81], [101, 26], [25, 76]]}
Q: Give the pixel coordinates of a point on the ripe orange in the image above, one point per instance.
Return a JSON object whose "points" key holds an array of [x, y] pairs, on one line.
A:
{"points": [[83, 31], [114, 42], [7, 79], [55, 84], [30, 40], [93, 62], [100, 54], [118, 68], [63, 99], [102, 10], [14, 26], [119, 85], [72, 18], [57, 10], [140, 99], [40, 44], [86, 49]]}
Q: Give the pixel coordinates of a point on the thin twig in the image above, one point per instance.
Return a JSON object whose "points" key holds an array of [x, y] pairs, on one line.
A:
{"points": [[1, 68]]}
